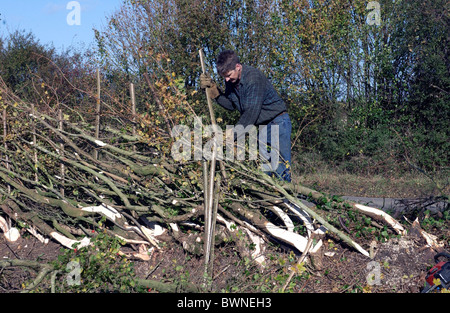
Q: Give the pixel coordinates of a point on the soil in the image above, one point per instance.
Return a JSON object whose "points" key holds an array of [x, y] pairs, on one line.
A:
{"points": [[399, 265]]}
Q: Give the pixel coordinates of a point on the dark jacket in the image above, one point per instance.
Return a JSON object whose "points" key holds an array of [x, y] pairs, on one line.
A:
{"points": [[254, 97]]}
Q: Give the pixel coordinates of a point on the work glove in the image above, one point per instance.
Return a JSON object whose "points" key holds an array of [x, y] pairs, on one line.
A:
{"points": [[211, 88]]}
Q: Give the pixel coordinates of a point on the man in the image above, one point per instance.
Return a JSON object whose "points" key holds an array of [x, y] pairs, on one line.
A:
{"points": [[251, 93]]}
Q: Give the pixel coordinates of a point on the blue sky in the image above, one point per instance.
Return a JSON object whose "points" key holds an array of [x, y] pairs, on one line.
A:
{"points": [[47, 20]]}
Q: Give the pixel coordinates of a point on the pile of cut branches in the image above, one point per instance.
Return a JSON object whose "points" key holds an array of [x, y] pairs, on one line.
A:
{"points": [[60, 180]]}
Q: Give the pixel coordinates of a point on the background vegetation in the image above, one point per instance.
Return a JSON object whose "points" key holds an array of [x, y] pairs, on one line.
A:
{"points": [[365, 98]]}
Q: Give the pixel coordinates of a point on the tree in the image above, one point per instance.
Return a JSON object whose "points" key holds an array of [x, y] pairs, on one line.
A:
{"points": [[20, 61], [427, 110]]}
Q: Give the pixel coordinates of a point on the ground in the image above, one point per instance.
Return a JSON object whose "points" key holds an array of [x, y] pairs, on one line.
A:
{"points": [[399, 265]]}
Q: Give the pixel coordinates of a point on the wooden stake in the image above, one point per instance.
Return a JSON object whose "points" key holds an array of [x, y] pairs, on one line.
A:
{"points": [[5, 145], [207, 214], [212, 197], [210, 107], [213, 225], [97, 114], [35, 157], [133, 111], [61, 152]]}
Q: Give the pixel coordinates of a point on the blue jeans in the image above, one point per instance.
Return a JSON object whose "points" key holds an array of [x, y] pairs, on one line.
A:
{"points": [[282, 143]]}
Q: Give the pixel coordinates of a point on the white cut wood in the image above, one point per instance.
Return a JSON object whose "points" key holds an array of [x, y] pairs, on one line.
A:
{"points": [[296, 240], [284, 217], [229, 225], [100, 143], [174, 227], [381, 215], [155, 229], [144, 253], [111, 213], [432, 240], [39, 237], [3, 225], [257, 240], [307, 221], [149, 235], [11, 234], [68, 243], [258, 248]]}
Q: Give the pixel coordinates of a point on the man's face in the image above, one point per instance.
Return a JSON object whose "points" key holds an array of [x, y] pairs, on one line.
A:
{"points": [[234, 76]]}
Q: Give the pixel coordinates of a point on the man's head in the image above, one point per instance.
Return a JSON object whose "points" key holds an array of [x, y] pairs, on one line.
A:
{"points": [[228, 66]]}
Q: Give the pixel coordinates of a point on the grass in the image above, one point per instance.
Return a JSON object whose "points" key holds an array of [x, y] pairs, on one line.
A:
{"points": [[392, 183]]}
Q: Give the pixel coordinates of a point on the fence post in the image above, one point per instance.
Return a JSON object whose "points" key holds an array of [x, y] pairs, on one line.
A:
{"points": [[133, 111], [61, 152], [35, 157], [97, 113], [5, 145]]}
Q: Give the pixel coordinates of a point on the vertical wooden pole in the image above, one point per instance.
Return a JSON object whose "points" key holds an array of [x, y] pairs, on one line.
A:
{"points": [[133, 111], [4, 128], [61, 152], [35, 158], [210, 107], [210, 217], [206, 200], [5, 145], [97, 114], [208, 99]]}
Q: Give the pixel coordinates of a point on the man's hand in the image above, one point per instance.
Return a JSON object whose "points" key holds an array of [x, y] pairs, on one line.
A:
{"points": [[211, 88], [206, 81]]}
